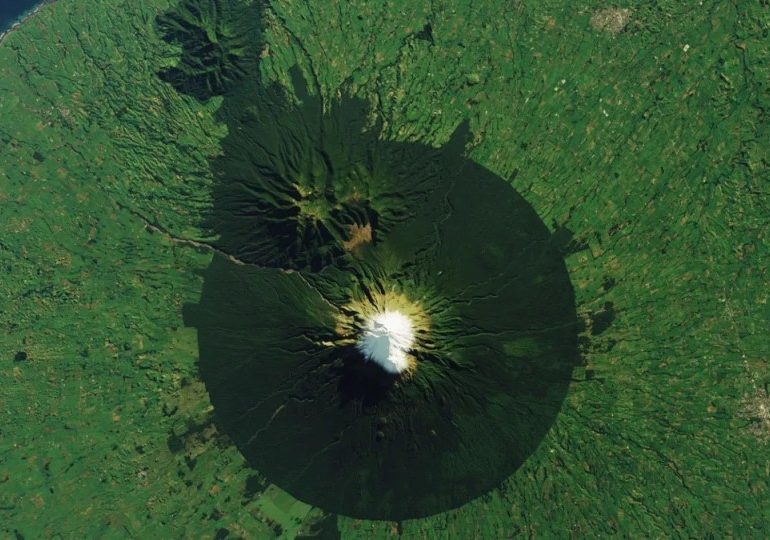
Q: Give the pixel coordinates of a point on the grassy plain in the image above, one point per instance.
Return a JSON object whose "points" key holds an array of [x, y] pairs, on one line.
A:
{"points": [[643, 147]]}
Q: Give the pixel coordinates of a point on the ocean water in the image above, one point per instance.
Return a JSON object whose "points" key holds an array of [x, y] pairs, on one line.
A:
{"points": [[11, 10]]}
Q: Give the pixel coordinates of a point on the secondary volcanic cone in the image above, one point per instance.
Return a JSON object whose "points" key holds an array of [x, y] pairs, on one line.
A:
{"points": [[300, 188], [468, 296]]}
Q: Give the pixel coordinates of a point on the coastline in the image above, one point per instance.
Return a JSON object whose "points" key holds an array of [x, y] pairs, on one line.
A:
{"points": [[23, 18]]}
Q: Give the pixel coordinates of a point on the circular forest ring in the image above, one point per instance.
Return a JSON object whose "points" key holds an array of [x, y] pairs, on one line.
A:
{"points": [[327, 225]]}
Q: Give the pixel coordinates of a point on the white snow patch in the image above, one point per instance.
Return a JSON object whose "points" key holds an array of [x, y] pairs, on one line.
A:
{"points": [[387, 339]]}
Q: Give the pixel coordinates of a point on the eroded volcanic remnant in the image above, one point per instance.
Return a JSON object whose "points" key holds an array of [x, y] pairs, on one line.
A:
{"points": [[403, 332]]}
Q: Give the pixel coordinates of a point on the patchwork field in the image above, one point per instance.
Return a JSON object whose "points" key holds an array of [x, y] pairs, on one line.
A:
{"points": [[637, 135]]}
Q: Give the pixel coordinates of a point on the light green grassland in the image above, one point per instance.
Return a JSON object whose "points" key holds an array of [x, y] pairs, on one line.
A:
{"points": [[649, 146]]}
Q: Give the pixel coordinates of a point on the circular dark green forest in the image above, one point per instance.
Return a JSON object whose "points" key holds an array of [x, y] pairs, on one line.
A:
{"points": [[448, 236]]}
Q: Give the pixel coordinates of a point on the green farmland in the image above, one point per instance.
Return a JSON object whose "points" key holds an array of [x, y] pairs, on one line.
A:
{"points": [[635, 140]]}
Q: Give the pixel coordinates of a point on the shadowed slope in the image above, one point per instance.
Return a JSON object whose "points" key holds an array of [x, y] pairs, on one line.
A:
{"points": [[446, 240]]}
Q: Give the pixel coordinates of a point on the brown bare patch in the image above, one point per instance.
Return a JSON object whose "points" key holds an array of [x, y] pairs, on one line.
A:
{"points": [[358, 237], [612, 20]]}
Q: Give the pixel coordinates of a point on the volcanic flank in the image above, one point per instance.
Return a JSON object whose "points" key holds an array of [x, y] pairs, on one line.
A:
{"points": [[392, 332], [412, 374]]}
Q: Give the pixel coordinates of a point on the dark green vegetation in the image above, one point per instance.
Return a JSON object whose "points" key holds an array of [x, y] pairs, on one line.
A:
{"points": [[293, 182], [218, 39], [449, 235], [642, 149]]}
